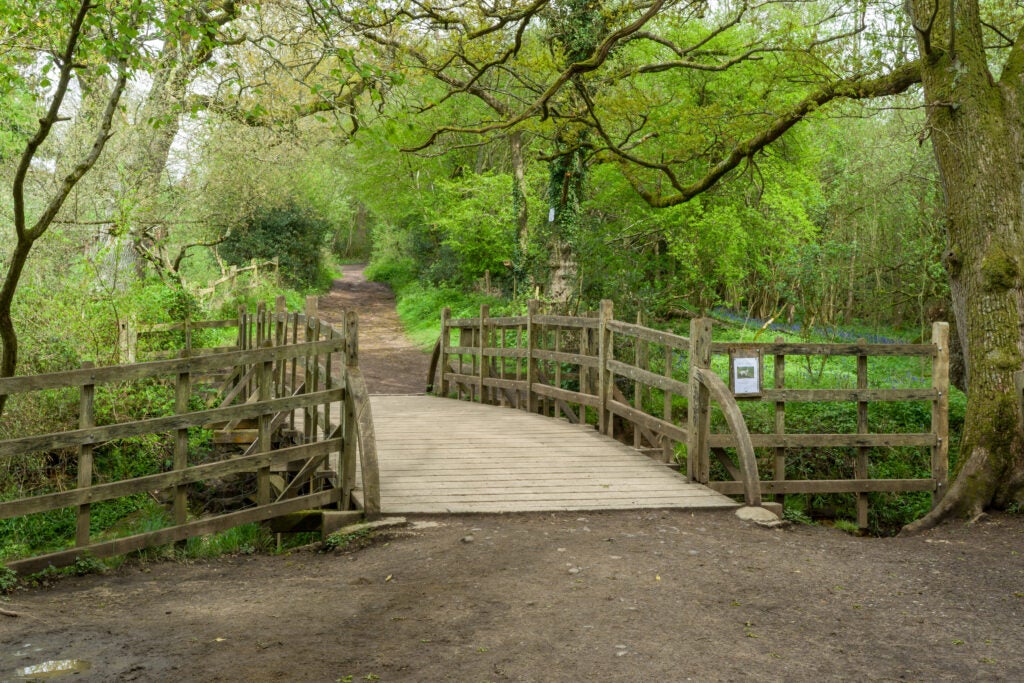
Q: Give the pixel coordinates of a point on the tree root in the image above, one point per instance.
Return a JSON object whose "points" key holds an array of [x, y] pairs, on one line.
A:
{"points": [[8, 613]]}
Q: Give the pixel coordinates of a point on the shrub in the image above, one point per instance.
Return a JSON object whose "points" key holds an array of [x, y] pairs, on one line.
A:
{"points": [[292, 234]]}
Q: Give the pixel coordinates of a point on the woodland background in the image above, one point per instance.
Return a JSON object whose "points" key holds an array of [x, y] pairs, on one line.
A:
{"points": [[765, 163]]}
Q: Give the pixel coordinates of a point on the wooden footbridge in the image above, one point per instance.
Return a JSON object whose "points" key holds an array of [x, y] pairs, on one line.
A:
{"points": [[550, 413], [439, 456]]}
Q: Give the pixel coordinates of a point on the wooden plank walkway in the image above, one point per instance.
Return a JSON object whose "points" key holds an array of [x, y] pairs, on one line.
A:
{"points": [[440, 455]]}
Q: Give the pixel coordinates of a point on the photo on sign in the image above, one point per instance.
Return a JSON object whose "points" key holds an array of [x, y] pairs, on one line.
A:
{"points": [[746, 375]]}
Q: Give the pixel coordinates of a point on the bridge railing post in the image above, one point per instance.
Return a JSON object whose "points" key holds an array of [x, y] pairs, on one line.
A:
{"points": [[446, 316], [698, 414], [604, 354], [531, 362], [348, 417], [86, 420], [280, 338], [483, 341], [264, 379]]}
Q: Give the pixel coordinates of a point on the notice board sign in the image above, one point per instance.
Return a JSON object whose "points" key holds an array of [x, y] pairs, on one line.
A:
{"points": [[745, 372]]}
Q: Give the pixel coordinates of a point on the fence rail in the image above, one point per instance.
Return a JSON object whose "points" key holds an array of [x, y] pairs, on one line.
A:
{"points": [[656, 389], [283, 366]]}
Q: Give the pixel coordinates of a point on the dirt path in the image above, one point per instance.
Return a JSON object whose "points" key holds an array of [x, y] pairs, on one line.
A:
{"points": [[623, 596], [391, 364]]}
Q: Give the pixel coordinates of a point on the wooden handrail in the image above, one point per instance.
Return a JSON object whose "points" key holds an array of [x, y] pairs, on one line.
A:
{"points": [[261, 385], [536, 389]]}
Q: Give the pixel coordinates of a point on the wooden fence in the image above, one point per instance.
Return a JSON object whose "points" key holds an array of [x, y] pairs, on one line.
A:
{"points": [[655, 389], [286, 371]]}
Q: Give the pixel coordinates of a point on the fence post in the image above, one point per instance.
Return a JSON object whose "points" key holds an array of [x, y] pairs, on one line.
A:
{"points": [[940, 410], [293, 377], [128, 341], [86, 419], [446, 316], [280, 339], [311, 374], [531, 362], [182, 391], [588, 380], [348, 407], [263, 473], [861, 466], [667, 449], [243, 345], [188, 338], [604, 378], [351, 339], [483, 340], [779, 469], [698, 454], [639, 361]]}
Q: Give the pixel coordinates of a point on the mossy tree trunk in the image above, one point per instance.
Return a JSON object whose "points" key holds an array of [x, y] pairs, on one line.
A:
{"points": [[977, 130]]}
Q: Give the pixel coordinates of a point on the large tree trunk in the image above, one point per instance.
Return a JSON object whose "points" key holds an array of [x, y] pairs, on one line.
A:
{"points": [[977, 132]]}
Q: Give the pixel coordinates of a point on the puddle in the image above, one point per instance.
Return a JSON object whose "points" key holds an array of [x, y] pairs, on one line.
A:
{"points": [[50, 670]]}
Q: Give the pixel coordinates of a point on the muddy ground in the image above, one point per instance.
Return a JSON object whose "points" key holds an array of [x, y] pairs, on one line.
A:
{"points": [[618, 596]]}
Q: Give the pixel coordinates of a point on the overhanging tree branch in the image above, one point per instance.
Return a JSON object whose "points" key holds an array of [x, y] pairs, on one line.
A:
{"points": [[26, 237], [594, 62], [892, 83]]}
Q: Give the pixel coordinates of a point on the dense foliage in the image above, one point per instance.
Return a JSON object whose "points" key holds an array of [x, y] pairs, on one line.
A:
{"points": [[293, 236]]}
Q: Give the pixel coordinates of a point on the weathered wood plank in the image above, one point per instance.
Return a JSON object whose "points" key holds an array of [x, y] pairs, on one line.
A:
{"points": [[829, 486], [195, 325], [791, 349], [504, 383], [566, 395], [199, 364], [646, 421], [841, 395], [166, 480], [656, 336], [649, 378], [825, 440], [121, 546], [568, 321], [505, 351], [508, 322], [562, 357], [155, 425]]}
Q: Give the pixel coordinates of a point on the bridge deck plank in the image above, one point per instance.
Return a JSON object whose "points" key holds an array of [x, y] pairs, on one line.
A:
{"points": [[440, 456]]}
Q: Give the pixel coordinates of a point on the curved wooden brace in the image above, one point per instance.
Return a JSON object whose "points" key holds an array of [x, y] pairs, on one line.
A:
{"points": [[748, 462], [435, 357], [359, 400]]}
